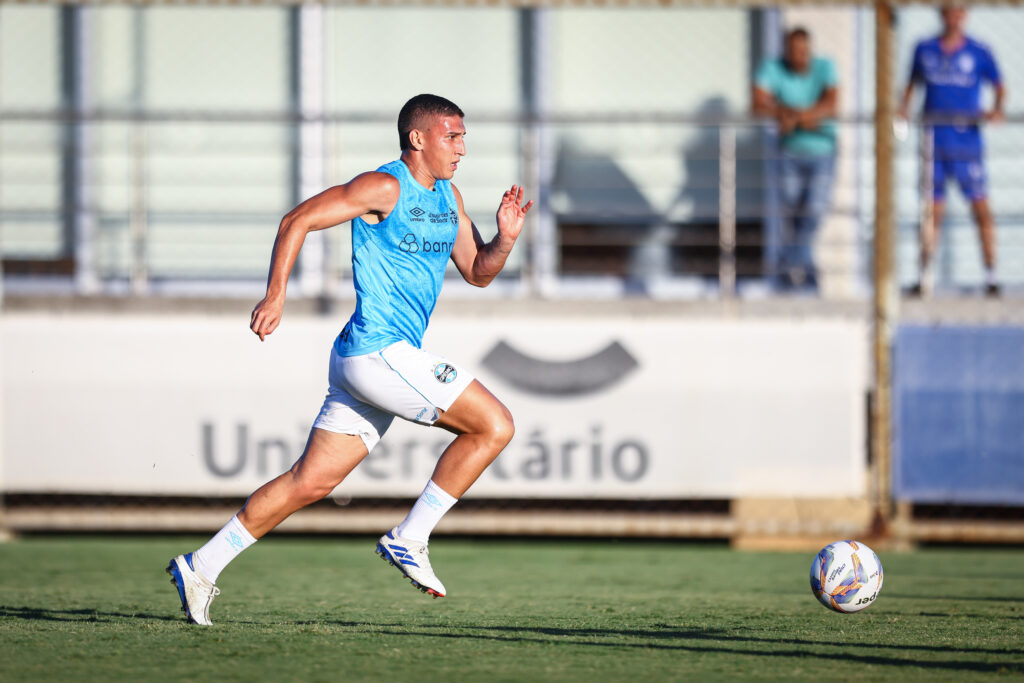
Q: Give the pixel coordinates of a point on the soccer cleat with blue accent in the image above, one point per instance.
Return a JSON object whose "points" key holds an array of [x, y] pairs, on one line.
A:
{"points": [[413, 560], [195, 592]]}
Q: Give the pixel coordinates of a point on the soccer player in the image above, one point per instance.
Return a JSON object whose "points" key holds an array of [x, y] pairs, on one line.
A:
{"points": [[408, 219], [952, 68]]}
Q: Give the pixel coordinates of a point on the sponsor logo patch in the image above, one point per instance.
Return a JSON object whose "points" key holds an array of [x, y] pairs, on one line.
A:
{"points": [[409, 244]]}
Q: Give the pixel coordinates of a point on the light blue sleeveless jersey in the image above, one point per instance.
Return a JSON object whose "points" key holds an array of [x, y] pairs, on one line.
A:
{"points": [[398, 265]]}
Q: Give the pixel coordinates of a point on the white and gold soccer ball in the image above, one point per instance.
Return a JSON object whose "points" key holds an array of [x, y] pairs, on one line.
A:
{"points": [[846, 576]]}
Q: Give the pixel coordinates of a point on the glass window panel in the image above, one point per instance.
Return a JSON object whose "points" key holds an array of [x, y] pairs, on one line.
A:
{"points": [[30, 164], [377, 55], [211, 192], [622, 178], [29, 57], [226, 58], [658, 59], [215, 193], [117, 58]]}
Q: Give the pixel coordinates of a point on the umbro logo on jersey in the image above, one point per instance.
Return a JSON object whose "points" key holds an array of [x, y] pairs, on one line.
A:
{"points": [[417, 212]]}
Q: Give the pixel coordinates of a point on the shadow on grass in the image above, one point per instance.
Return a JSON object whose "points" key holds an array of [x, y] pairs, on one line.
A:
{"points": [[953, 598], [82, 615], [966, 615], [693, 640]]}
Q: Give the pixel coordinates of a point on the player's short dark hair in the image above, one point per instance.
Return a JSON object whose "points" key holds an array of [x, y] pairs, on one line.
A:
{"points": [[419, 107], [798, 32]]}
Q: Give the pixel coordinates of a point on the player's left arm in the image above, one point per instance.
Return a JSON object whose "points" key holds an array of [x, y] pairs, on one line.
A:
{"points": [[991, 73], [997, 113], [827, 105], [825, 108], [916, 77], [480, 262]]}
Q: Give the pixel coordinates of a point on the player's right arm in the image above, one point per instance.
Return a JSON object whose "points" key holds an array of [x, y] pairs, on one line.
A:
{"points": [[762, 102], [916, 76], [990, 72], [762, 94], [370, 195]]}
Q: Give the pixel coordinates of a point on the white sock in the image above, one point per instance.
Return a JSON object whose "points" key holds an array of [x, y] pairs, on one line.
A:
{"points": [[990, 276], [226, 545], [426, 513]]}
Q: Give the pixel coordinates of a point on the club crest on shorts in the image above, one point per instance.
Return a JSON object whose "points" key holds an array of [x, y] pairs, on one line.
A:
{"points": [[444, 373]]}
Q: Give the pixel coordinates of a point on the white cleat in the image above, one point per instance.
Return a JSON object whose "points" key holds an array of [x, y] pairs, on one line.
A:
{"points": [[196, 593], [412, 559]]}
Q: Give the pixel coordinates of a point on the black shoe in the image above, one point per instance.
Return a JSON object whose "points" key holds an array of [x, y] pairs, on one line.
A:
{"points": [[993, 291], [914, 292]]}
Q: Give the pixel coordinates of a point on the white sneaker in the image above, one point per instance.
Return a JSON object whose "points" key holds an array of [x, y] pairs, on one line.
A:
{"points": [[412, 559], [196, 593]]}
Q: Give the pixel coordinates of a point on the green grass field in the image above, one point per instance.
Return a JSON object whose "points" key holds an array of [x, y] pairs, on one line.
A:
{"points": [[324, 610]]}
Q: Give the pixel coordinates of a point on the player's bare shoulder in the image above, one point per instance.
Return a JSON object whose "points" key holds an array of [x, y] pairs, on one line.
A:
{"points": [[458, 201], [376, 191], [455, 191]]}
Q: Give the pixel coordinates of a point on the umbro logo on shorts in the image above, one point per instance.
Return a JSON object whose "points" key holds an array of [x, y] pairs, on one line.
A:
{"points": [[444, 373]]}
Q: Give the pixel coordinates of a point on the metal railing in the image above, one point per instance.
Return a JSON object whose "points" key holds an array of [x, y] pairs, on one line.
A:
{"points": [[728, 179]]}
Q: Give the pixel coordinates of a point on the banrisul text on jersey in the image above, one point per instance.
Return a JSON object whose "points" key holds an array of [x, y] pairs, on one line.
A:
{"points": [[398, 265]]}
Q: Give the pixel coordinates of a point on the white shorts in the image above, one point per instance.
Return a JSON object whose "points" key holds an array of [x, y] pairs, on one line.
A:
{"points": [[367, 392]]}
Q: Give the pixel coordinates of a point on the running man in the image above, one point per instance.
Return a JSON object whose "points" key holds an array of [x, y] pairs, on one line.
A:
{"points": [[408, 219], [952, 68]]}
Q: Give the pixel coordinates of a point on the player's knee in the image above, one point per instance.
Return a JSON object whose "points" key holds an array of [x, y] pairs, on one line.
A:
{"points": [[311, 491], [501, 428]]}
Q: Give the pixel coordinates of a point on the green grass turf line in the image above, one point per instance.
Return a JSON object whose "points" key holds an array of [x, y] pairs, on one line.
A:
{"points": [[93, 608]]}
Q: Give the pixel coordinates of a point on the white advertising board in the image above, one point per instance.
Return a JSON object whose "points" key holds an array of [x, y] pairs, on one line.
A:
{"points": [[605, 407]]}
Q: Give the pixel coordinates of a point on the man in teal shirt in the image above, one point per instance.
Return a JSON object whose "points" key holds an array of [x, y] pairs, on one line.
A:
{"points": [[799, 91]]}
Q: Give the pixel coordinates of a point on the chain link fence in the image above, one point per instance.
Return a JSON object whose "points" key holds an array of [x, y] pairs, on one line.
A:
{"points": [[152, 149], [159, 145]]}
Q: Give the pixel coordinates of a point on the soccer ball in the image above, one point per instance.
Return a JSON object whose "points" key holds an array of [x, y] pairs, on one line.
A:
{"points": [[846, 576]]}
